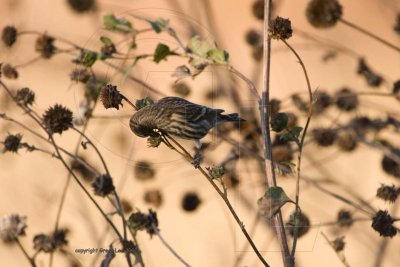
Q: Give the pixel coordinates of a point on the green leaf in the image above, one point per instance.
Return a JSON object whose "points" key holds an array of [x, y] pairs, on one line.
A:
{"points": [[198, 47], [218, 56], [279, 121], [105, 40], [292, 134], [161, 53], [141, 103], [112, 23], [273, 199], [88, 58], [159, 25]]}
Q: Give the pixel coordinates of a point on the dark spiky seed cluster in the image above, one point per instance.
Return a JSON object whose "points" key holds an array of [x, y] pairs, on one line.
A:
{"points": [[141, 221], [45, 46], [81, 6], [103, 185], [346, 100], [258, 9], [153, 197], [280, 28], [9, 72], [303, 225], [12, 143], [323, 13], [382, 222], [388, 193], [324, 137], [57, 119], [144, 170], [373, 79], [25, 96], [110, 97], [338, 244], [49, 243], [190, 201], [390, 165], [345, 218], [9, 35]]}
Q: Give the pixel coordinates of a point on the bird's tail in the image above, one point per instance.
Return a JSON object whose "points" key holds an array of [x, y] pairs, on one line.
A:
{"points": [[234, 117]]}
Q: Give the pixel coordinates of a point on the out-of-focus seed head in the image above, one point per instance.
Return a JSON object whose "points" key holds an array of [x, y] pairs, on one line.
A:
{"points": [[292, 122], [324, 100], [140, 221], [49, 243], [190, 201], [257, 53], [9, 71], [81, 6], [253, 38], [11, 227], [373, 79], [216, 172], [25, 96], [93, 87], [388, 193], [57, 119], [9, 35], [303, 224], [258, 9], [110, 97], [126, 206], [324, 137], [108, 49], [344, 218], [299, 103], [346, 100], [80, 75], [279, 121], [382, 222], [153, 197], [182, 89], [103, 185], [396, 27], [45, 46], [144, 170], [275, 105], [347, 140], [86, 173], [338, 244], [396, 89], [12, 143], [280, 28], [390, 165], [323, 13], [282, 153]]}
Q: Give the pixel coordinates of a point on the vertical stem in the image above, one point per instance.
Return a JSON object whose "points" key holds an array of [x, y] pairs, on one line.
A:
{"points": [[264, 112]]}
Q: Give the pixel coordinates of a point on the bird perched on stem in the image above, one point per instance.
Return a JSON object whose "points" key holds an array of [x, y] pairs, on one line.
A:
{"points": [[178, 117]]}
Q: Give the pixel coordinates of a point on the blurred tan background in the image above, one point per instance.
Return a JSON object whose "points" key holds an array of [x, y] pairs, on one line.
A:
{"points": [[31, 184]]}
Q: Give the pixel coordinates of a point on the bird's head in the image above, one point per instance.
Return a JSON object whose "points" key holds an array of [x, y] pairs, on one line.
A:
{"points": [[141, 130]]}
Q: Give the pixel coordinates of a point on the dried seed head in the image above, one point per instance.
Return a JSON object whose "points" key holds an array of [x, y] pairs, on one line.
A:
{"points": [[396, 89], [373, 79], [258, 9], [80, 75], [303, 225], [390, 165], [81, 6], [346, 100], [12, 143], [9, 71], [388, 193], [153, 197], [25, 96], [44, 45], [57, 119], [86, 173], [344, 218], [382, 222], [182, 89], [280, 28], [9, 35], [324, 137], [103, 185], [299, 103], [253, 38], [49, 243], [275, 105], [11, 227], [190, 201], [126, 206], [338, 244], [110, 97], [144, 170], [324, 100], [141, 221], [323, 13], [396, 27], [347, 140]]}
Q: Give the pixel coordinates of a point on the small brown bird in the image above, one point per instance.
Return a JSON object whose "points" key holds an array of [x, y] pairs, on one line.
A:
{"points": [[179, 117]]}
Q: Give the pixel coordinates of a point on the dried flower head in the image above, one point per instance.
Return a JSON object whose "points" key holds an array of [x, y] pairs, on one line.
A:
{"points": [[44, 45], [81, 6], [324, 100], [12, 143], [371, 77], [253, 38], [49, 243], [144, 170], [346, 100], [324, 136], [182, 89], [110, 97], [190, 201], [396, 89], [303, 225], [280, 28], [390, 165], [344, 218], [323, 13], [80, 75], [347, 140], [388, 193], [25, 96], [57, 119], [12, 226], [338, 244], [9, 71], [103, 185], [382, 222], [140, 221], [153, 197], [258, 9], [9, 35]]}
